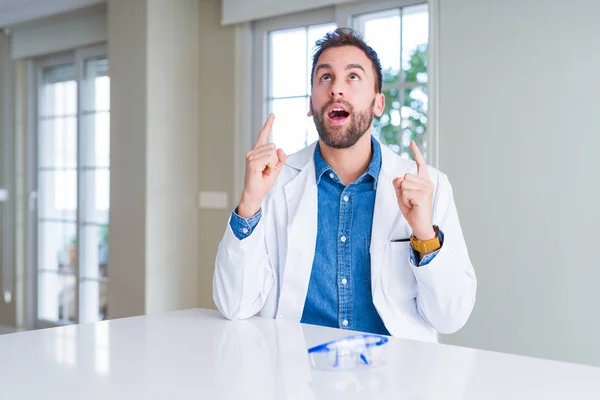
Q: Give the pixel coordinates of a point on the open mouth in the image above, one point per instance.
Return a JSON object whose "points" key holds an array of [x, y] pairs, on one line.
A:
{"points": [[337, 114]]}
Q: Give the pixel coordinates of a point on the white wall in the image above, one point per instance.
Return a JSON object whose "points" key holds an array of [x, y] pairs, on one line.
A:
{"points": [[17, 11], [172, 156], [519, 138], [60, 33]]}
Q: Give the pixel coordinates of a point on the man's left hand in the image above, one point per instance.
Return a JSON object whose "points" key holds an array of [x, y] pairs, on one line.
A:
{"points": [[415, 198]]}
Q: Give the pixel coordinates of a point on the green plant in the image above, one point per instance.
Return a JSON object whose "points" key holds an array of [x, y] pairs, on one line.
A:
{"points": [[408, 119], [104, 234]]}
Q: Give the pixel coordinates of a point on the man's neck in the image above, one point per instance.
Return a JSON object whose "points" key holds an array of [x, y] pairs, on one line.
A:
{"points": [[349, 163]]}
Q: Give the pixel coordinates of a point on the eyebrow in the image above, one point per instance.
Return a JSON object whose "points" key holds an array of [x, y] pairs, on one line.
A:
{"points": [[322, 66], [357, 66], [349, 66]]}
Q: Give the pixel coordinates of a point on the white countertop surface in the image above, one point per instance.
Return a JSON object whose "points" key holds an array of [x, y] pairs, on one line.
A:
{"points": [[196, 354]]}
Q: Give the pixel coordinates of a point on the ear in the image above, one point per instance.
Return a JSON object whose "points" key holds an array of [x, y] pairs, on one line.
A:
{"points": [[379, 104], [310, 112]]}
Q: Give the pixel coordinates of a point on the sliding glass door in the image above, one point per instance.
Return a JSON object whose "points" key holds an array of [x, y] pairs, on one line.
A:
{"points": [[71, 202]]}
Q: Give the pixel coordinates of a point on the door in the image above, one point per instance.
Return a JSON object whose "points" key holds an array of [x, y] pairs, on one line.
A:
{"points": [[70, 204]]}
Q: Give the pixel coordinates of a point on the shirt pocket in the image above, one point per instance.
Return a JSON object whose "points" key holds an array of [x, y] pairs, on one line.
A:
{"points": [[398, 278]]}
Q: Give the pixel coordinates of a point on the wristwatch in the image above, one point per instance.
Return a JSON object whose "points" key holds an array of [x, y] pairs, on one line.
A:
{"points": [[426, 246]]}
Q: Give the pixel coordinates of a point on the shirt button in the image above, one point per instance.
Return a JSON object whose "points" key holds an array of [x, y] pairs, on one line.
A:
{"points": [[245, 230], [345, 322], [344, 281], [346, 198], [331, 175], [343, 239]]}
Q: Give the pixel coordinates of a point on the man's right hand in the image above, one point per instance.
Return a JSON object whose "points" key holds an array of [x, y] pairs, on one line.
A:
{"points": [[263, 165]]}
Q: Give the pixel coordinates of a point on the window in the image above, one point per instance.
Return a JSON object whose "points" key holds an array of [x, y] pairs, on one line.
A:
{"points": [[289, 84], [400, 37], [397, 30], [73, 177]]}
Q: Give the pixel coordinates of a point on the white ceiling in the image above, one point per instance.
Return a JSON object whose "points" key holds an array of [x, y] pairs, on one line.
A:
{"points": [[18, 11]]}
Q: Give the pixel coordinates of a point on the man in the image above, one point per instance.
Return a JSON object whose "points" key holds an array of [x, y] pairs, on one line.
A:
{"points": [[345, 233]]}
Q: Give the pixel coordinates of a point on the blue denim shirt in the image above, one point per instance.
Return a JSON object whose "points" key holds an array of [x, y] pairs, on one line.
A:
{"points": [[339, 291]]}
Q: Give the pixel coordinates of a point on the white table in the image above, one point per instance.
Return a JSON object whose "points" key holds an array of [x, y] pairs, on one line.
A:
{"points": [[196, 354]]}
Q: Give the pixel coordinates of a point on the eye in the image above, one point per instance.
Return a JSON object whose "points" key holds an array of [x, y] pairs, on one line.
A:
{"points": [[325, 78], [354, 77]]}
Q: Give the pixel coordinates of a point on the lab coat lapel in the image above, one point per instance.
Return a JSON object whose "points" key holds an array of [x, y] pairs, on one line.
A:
{"points": [[387, 214], [301, 201]]}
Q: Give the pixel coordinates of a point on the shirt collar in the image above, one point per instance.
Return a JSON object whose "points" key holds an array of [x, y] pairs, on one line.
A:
{"points": [[373, 169], [375, 164], [320, 165]]}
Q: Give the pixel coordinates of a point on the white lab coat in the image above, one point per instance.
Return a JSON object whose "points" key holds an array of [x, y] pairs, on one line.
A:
{"points": [[269, 271]]}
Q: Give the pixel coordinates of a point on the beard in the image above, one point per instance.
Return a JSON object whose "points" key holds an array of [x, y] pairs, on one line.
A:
{"points": [[343, 137]]}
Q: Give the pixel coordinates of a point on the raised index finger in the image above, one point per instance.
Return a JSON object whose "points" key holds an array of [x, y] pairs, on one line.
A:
{"points": [[263, 136], [420, 160]]}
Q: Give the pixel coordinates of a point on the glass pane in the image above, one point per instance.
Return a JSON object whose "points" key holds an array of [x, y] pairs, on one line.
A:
{"points": [[58, 194], [96, 85], [94, 248], [289, 128], [102, 93], [58, 142], [56, 297], [95, 191], [414, 118], [57, 246], [315, 32], [58, 91], [415, 36], [403, 121], [93, 304], [96, 128], [387, 127], [381, 30], [59, 73], [95, 195], [288, 72]]}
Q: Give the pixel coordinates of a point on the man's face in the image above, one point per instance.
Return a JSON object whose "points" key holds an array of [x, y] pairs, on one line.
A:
{"points": [[343, 100]]}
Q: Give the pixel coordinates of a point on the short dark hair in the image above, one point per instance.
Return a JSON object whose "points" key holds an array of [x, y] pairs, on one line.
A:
{"points": [[347, 37]]}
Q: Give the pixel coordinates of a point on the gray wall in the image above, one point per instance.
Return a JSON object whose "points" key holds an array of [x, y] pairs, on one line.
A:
{"points": [[154, 68], [127, 52], [519, 138], [215, 136]]}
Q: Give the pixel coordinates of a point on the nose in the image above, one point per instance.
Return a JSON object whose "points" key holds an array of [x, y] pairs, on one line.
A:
{"points": [[337, 91]]}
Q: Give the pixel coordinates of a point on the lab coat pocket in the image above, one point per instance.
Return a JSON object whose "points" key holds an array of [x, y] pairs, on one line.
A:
{"points": [[398, 278]]}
